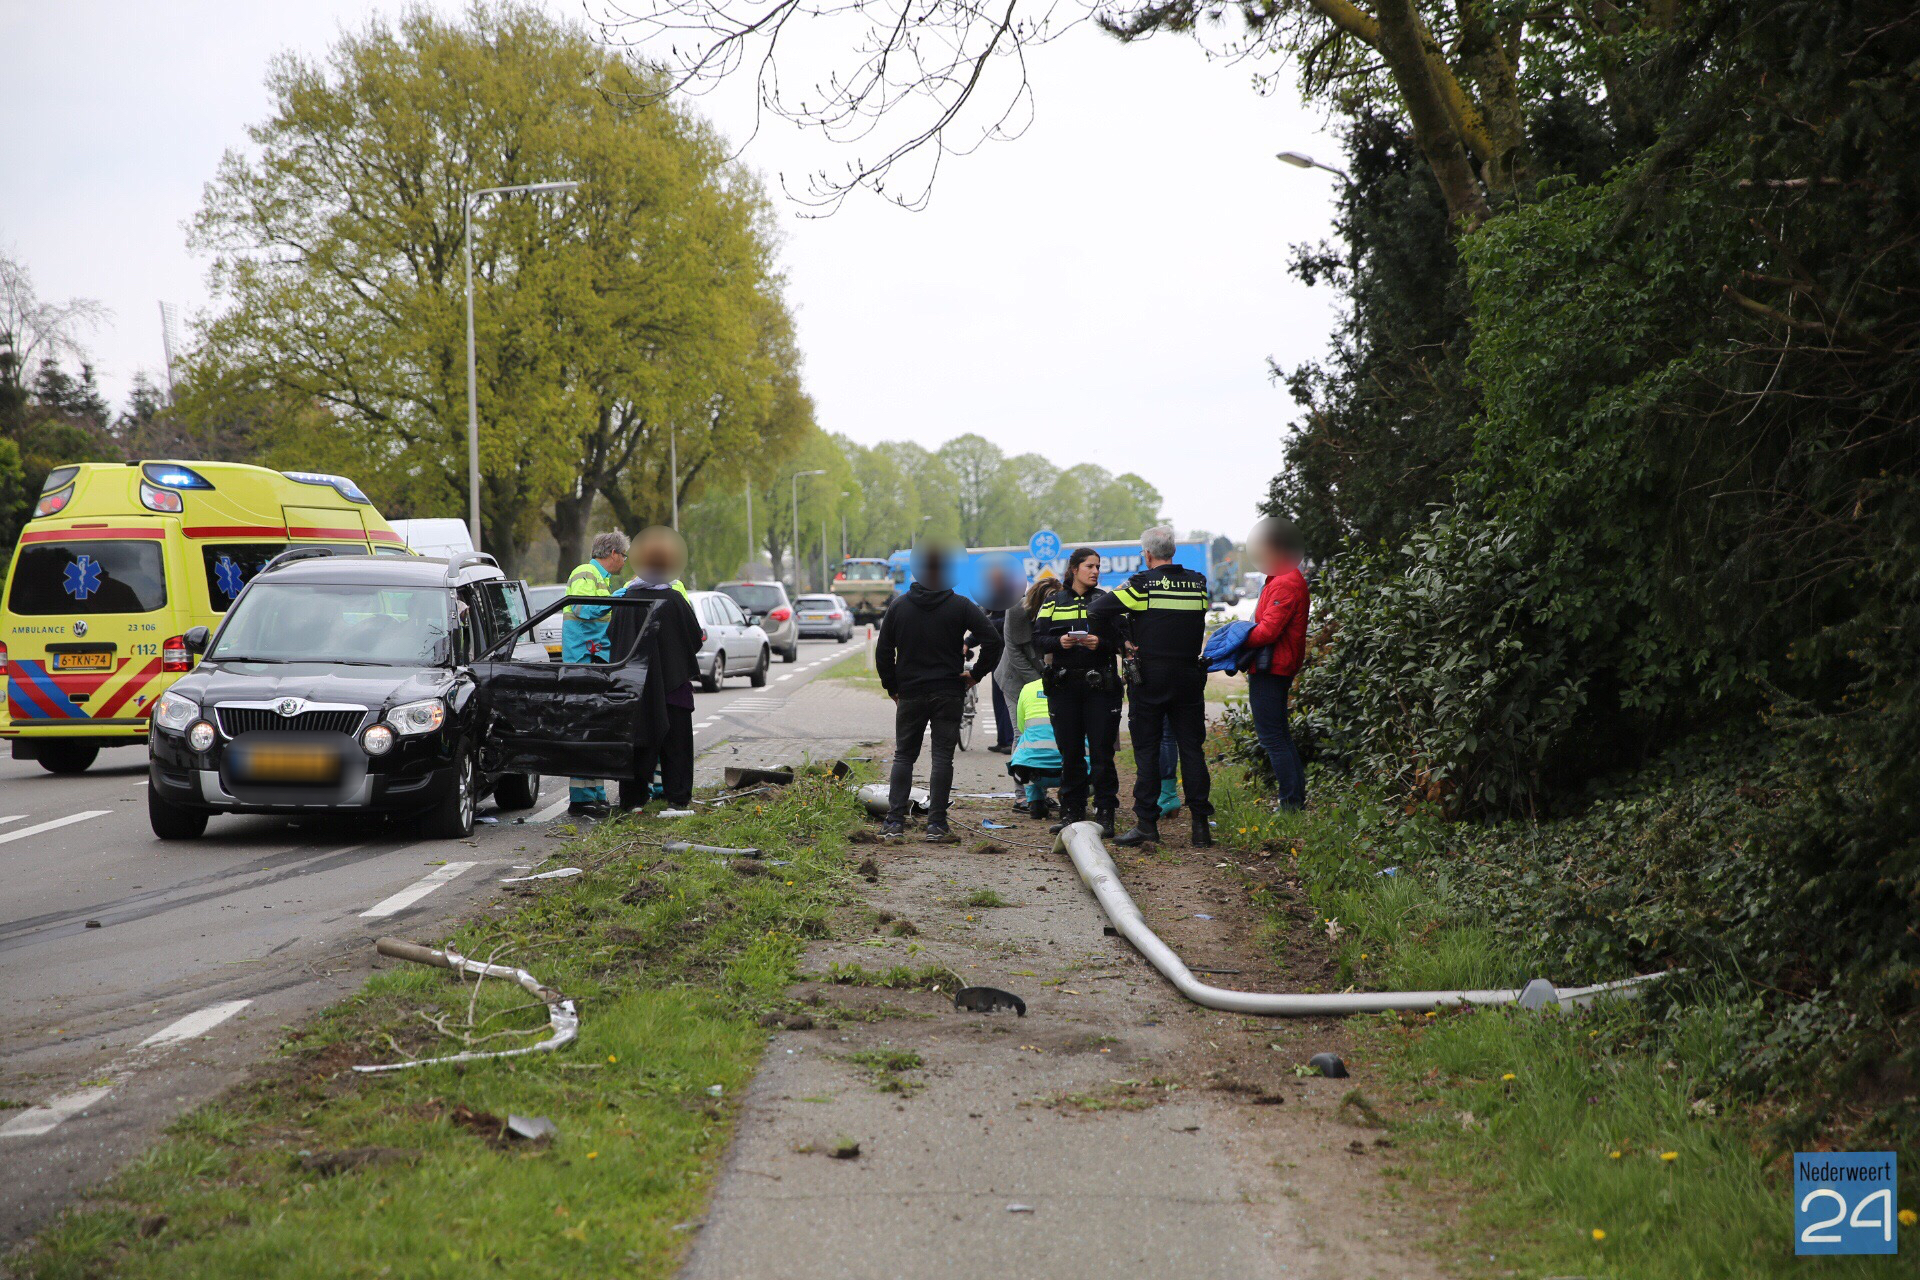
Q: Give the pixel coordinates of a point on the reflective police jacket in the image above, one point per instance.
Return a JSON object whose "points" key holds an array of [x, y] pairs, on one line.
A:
{"points": [[1066, 612], [1165, 611]]}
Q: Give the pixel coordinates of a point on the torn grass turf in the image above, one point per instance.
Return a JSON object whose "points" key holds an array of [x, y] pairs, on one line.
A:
{"points": [[276, 1177]]}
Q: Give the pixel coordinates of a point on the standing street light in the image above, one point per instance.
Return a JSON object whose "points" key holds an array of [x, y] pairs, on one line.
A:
{"points": [[1301, 160], [795, 556], [473, 394], [749, 488], [844, 495]]}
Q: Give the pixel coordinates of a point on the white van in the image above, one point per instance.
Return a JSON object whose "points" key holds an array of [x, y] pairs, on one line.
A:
{"points": [[435, 536]]}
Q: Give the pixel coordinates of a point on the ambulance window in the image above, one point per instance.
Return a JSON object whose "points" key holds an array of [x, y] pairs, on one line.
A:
{"points": [[231, 566], [87, 577]]}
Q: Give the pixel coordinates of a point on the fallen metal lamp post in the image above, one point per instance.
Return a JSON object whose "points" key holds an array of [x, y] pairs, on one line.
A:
{"points": [[562, 1018], [1081, 843]]}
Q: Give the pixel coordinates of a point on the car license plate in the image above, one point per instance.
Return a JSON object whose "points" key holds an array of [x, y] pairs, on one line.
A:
{"points": [[291, 762], [813, 617], [83, 662]]}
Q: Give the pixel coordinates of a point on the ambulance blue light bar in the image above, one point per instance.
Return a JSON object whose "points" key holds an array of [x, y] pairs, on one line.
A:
{"points": [[171, 475]]}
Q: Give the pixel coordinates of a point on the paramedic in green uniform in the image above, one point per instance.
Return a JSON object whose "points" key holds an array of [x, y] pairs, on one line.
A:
{"points": [[583, 638]]}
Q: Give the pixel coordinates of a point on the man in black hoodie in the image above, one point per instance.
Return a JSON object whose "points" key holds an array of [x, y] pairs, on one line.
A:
{"points": [[920, 657]]}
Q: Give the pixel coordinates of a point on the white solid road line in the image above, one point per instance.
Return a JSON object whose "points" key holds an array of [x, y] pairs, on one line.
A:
{"points": [[194, 1024], [39, 827], [12, 817], [48, 1115], [414, 892], [552, 811]]}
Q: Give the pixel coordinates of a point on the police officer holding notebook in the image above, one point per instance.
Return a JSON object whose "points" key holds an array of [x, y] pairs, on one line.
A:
{"points": [[1083, 692], [1164, 609]]}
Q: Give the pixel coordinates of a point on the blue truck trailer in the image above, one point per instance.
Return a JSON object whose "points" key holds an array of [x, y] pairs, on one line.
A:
{"points": [[1118, 562]]}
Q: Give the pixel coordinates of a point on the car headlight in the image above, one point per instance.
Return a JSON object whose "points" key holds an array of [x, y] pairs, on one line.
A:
{"points": [[413, 718], [174, 712], [200, 737]]}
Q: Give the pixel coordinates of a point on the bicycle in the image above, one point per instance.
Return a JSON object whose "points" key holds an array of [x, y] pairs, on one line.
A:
{"points": [[969, 707]]}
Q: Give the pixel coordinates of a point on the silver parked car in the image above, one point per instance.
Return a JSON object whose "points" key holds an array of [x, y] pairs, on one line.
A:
{"points": [[732, 646], [767, 607], [824, 617], [548, 632]]}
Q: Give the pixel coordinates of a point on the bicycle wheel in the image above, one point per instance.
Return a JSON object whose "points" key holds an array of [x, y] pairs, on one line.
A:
{"points": [[967, 708]]}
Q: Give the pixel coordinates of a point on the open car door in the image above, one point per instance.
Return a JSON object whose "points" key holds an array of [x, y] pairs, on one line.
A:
{"points": [[567, 719]]}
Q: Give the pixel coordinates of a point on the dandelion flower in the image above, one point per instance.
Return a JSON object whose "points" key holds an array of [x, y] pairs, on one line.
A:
{"points": [[1431, 1013], [1669, 1156], [1598, 1235], [612, 1058], [1613, 1155], [1508, 1076], [1908, 1217], [593, 1155], [1363, 955]]}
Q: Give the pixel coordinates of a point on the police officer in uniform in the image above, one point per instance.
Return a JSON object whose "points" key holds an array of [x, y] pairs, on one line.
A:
{"points": [[1083, 687], [1164, 608]]}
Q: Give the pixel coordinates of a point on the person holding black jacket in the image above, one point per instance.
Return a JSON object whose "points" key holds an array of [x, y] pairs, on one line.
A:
{"points": [[659, 556], [1083, 691], [920, 657]]}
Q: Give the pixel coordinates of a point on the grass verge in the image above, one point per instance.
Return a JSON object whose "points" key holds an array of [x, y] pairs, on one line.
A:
{"points": [[1598, 1142], [313, 1170], [855, 669]]}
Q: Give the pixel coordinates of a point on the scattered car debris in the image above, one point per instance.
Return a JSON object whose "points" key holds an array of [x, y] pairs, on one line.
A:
{"points": [[844, 1149], [1328, 1065], [681, 846], [532, 1128], [987, 999], [1019, 1208], [93, 924], [561, 873], [874, 797], [740, 776], [563, 1019]]}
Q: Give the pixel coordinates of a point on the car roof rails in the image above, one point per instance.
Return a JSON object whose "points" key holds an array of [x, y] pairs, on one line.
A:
{"points": [[460, 561], [306, 553]]}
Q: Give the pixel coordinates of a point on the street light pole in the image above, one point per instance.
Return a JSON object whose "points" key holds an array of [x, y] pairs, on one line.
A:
{"points": [[843, 524], [794, 557], [1301, 160], [473, 391], [749, 522], [673, 471]]}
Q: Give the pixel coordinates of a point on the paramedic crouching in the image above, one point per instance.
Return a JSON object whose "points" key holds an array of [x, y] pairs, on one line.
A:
{"points": [[1164, 609]]}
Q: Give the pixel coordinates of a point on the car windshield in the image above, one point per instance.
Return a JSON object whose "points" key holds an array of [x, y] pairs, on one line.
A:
{"points": [[755, 597], [818, 602], [304, 622], [864, 572]]}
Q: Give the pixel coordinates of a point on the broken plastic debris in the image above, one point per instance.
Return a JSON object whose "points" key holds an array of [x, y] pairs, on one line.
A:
{"points": [[560, 873], [1019, 1208], [531, 1128], [676, 813], [1201, 915], [991, 825], [987, 999], [715, 1090], [1388, 871], [487, 818], [1328, 1065]]}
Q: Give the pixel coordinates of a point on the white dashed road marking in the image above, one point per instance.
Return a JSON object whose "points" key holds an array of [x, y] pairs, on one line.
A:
{"points": [[39, 827], [48, 1116], [414, 892], [552, 811], [194, 1024], [12, 817]]}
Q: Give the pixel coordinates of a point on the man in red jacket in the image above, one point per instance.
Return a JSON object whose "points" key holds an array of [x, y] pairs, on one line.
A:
{"points": [[1279, 620]]}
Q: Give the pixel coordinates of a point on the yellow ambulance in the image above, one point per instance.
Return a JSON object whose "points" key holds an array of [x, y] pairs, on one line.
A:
{"points": [[119, 560]]}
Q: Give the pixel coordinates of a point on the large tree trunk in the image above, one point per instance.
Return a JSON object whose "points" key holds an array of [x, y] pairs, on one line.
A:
{"points": [[1402, 46], [569, 527]]}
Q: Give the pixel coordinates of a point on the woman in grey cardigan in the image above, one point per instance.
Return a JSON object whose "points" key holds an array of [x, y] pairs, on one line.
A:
{"points": [[1020, 661]]}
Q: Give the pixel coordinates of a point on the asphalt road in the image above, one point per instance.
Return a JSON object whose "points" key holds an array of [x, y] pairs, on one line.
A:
{"points": [[203, 950]]}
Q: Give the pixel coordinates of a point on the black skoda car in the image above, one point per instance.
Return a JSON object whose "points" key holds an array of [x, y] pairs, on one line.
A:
{"points": [[380, 684]]}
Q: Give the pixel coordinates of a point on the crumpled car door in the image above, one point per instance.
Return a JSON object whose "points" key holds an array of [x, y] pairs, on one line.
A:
{"points": [[567, 719]]}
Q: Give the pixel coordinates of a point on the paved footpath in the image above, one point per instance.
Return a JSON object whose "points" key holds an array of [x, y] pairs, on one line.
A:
{"points": [[1105, 1133]]}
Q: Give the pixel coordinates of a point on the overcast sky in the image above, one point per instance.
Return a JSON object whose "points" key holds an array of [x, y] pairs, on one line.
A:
{"points": [[1106, 288]]}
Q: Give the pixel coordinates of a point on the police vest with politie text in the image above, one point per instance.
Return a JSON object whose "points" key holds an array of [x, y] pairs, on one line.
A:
{"points": [[1165, 610], [1066, 612]]}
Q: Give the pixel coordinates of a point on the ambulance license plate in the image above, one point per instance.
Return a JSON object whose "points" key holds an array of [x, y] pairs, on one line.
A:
{"points": [[83, 662], [291, 762]]}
